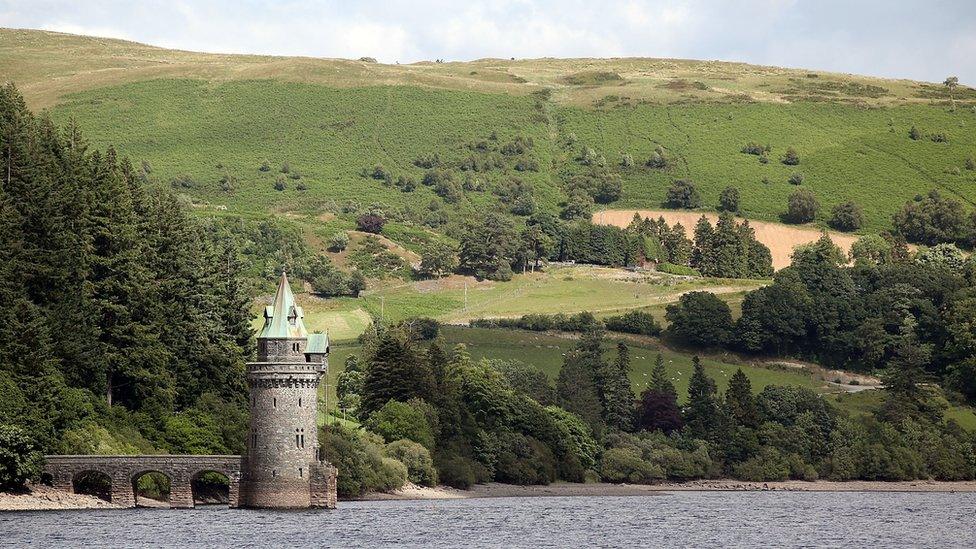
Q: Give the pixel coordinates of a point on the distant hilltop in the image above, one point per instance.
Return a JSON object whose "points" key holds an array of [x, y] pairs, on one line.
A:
{"points": [[48, 64]]}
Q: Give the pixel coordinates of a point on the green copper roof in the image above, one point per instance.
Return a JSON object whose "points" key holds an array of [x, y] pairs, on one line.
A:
{"points": [[283, 318], [318, 343]]}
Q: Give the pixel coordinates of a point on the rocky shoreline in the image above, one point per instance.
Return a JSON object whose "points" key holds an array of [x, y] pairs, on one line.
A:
{"points": [[46, 498], [489, 490]]}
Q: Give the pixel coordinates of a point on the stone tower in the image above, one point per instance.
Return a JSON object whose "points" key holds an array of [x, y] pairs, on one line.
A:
{"points": [[283, 467]]}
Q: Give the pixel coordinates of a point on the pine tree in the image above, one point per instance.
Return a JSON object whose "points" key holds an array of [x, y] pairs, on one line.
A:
{"points": [[577, 389], [395, 371], [659, 378], [740, 404], [618, 396], [702, 415], [658, 407], [701, 256]]}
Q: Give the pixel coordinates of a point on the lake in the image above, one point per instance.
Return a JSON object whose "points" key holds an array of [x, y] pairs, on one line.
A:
{"points": [[679, 519]]}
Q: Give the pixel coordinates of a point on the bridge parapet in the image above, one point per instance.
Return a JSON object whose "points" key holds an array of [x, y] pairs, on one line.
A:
{"points": [[124, 471]]}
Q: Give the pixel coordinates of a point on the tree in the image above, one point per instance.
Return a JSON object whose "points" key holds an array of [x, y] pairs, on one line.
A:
{"points": [[803, 206], [847, 216], [871, 250], [683, 194], [702, 415], [951, 83], [658, 407], [576, 384], [438, 258], [728, 201], [395, 371], [489, 246], [740, 404], [20, 461], [700, 319], [931, 219], [579, 205], [537, 246], [617, 395], [371, 223]]}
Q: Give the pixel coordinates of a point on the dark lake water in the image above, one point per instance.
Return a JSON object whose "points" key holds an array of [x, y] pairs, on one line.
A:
{"points": [[681, 519]]}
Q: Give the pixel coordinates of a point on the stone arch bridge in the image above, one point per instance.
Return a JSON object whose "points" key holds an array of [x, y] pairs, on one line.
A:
{"points": [[124, 471]]}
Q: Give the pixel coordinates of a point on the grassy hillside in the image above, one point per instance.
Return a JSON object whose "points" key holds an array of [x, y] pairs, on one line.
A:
{"points": [[212, 120]]}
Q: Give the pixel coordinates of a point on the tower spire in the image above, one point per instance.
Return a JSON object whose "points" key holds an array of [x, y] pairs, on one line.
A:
{"points": [[283, 318]]}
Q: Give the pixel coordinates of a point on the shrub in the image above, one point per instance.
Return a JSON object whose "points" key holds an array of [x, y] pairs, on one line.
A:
{"points": [[301, 186], [931, 220], [285, 167], [626, 161], [280, 184], [763, 159], [401, 420], [457, 472], [847, 216], [380, 173], [971, 163], [728, 201], [803, 206], [370, 223], [755, 148], [360, 455], [20, 460], [914, 133], [183, 181], [939, 137], [796, 179], [339, 241], [265, 167], [626, 465], [770, 465], [416, 458], [634, 322], [791, 158], [681, 270], [683, 194], [658, 159]]}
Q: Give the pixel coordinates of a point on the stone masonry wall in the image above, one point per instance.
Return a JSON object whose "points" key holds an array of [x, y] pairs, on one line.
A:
{"points": [[125, 470]]}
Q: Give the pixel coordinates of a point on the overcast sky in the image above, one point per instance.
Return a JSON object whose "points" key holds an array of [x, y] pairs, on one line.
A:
{"points": [[924, 40]]}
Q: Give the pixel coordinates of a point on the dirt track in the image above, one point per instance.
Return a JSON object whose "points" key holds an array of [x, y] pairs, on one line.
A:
{"points": [[781, 239]]}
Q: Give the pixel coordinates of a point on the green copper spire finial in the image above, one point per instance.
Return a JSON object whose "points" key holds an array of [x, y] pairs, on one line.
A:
{"points": [[283, 318]]}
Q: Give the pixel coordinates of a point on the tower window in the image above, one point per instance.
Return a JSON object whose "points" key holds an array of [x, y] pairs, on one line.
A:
{"points": [[300, 472], [274, 402], [297, 441], [299, 402], [274, 472]]}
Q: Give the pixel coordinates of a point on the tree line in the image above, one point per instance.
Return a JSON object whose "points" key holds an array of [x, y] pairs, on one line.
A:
{"points": [[125, 320]]}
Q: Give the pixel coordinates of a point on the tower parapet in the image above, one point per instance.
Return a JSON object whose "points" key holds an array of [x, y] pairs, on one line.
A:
{"points": [[283, 466]]}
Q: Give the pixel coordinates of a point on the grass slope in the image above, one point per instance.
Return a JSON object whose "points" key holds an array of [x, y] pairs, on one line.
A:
{"points": [[211, 116]]}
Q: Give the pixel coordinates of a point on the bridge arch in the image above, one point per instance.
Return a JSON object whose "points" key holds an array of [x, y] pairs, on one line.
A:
{"points": [[152, 484], [210, 486], [93, 482]]}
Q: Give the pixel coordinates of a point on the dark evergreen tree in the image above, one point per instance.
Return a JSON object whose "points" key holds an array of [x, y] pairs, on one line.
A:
{"points": [[740, 404], [702, 415]]}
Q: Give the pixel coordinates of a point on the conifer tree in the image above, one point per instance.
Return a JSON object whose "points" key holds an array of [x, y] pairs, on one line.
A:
{"points": [[740, 404], [658, 407], [618, 396], [702, 414]]}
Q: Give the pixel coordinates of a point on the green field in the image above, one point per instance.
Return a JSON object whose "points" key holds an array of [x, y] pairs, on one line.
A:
{"points": [[213, 117], [602, 291]]}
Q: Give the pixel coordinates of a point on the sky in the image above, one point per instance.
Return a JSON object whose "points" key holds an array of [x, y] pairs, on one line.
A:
{"points": [[921, 40]]}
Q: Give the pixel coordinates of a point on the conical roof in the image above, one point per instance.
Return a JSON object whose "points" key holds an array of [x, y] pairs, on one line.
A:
{"points": [[283, 318]]}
